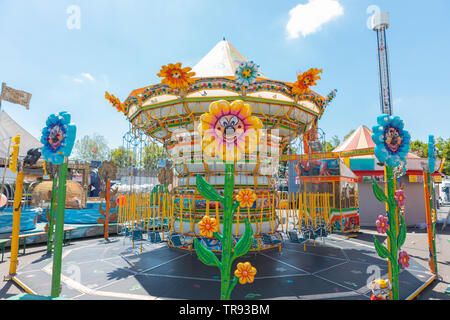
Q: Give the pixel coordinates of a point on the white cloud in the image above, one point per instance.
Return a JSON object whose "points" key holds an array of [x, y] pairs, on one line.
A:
{"points": [[77, 80], [88, 76], [308, 18]]}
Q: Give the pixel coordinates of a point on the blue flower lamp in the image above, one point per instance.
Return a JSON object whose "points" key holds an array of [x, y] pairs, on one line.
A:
{"points": [[391, 148], [58, 138]]}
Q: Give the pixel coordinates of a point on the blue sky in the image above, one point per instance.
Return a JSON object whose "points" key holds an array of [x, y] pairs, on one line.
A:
{"points": [[121, 46]]}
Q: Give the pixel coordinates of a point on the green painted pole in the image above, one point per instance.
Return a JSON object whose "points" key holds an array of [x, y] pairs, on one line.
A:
{"points": [[59, 231], [227, 242], [393, 245], [52, 216]]}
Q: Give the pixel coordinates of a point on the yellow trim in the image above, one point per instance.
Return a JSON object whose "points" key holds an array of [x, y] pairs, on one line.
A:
{"points": [[415, 293], [23, 285]]}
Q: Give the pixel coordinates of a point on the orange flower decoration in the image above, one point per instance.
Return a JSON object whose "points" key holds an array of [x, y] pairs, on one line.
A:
{"points": [[175, 76], [245, 272], [208, 226], [115, 102], [305, 80], [246, 198]]}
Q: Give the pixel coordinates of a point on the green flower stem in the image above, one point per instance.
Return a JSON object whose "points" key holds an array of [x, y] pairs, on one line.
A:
{"points": [[227, 241], [393, 228], [230, 289], [228, 252], [59, 231], [51, 216]]}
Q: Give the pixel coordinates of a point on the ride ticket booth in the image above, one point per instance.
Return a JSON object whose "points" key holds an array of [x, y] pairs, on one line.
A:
{"points": [[333, 177]]}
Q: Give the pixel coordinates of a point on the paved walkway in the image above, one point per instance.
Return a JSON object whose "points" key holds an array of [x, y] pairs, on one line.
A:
{"points": [[415, 245]]}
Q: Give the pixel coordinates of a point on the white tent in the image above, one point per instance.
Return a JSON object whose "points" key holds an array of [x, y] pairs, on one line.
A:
{"points": [[9, 129]]}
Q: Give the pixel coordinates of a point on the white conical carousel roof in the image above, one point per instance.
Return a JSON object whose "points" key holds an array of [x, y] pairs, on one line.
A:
{"points": [[221, 61]]}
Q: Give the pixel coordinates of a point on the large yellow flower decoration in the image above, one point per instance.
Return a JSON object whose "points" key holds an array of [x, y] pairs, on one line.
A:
{"points": [[175, 76], [229, 130], [208, 226], [305, 80], [245, 272], [246, 198]]}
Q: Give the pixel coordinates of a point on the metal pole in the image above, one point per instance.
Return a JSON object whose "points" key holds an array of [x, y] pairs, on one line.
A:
{"points": [[16, 224]]}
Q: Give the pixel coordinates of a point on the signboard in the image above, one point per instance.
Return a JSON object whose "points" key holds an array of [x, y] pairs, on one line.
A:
{"points": [[412, 178], [15, 96], [437, 179]]}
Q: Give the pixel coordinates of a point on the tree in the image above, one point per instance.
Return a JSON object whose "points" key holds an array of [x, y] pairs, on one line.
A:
{"points": [[329, 146], [443, 151], [419, 148], [93, 148], [151, 156], [121, 157]]}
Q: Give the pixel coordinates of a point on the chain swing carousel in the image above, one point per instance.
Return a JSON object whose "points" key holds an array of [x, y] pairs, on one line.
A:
{"points": [[172, 111]]}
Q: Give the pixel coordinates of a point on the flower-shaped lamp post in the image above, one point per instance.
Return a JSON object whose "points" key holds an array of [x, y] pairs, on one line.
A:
{"points": [[429, 207], [58, 138], [227, 131], [392, 146]]}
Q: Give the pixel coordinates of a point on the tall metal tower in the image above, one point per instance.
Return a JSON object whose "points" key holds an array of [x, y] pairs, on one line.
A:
{"points": [[380, 22]]}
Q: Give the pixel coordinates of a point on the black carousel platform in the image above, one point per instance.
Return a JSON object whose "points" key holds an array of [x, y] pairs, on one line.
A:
{"points": [[335, 268]]}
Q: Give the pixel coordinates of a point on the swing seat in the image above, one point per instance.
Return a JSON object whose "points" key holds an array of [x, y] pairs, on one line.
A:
{"points": [[267, 239], [137, 235], [294, 237], [154, 237], [176, 240]]}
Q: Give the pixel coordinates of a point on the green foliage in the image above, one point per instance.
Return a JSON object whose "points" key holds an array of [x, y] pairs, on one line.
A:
{"points": [[121, 157], [206, 256], [382, 251], [443, 151], [442, 148], [207, 190], [92, 148], [378, 192], [152, 153], [245, 243], [419, 148]]}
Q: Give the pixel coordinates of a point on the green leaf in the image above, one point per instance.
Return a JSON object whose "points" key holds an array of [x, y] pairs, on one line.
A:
{"points": [[235, 206], [379, 193], [382, 251], [206, 256], [207, 190], [245, 243], [402, 233]]}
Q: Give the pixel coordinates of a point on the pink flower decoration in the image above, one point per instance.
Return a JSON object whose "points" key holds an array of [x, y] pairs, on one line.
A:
{"points": [[403, 259], [400, 198], [382, 224]]}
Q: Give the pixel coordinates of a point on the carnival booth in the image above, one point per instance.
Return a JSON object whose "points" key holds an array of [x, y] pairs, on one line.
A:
{"points": [[329, 176]]}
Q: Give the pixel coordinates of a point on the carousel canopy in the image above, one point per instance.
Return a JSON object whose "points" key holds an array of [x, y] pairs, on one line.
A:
{"points": [[221, 61], [184, 94]]}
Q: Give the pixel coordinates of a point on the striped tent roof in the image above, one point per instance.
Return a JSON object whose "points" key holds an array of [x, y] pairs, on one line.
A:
{"points": [[361, 138]]}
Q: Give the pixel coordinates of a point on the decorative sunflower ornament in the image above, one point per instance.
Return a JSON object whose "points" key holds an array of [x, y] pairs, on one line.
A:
{"points": [[229, 130], [176, 77]]}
